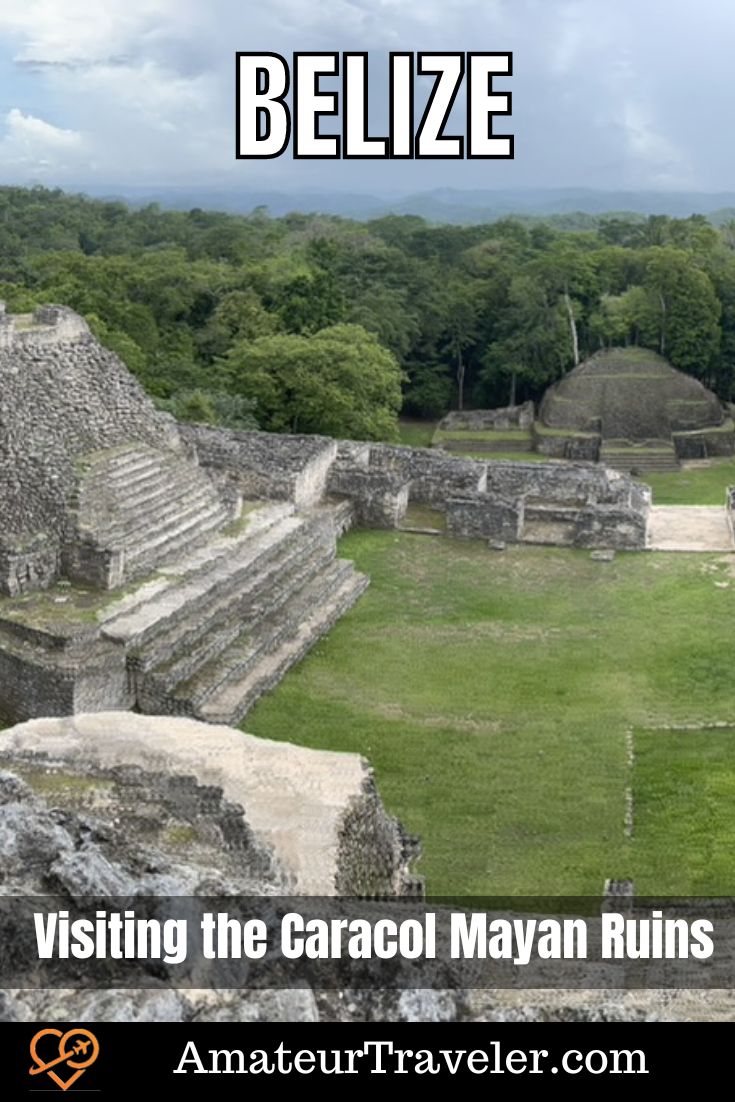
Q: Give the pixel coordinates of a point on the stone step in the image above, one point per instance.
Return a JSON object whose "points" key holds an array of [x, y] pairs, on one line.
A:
{"points": [[196, 526], [128, 526], [154, 487], [117, 458], [252, 644], [134, 467], [137, 472], [101, 487], [231, 559], [104, 495], [660, 459], [243, 596], [157, 687], [644, 466], [195, 562], [152, 505], [234, 698]]}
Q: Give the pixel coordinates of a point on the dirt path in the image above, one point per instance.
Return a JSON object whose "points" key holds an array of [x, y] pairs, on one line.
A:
{"points": [[689, 528]]}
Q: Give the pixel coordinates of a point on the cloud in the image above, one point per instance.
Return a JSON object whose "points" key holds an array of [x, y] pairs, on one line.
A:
{"points": [[142, 78], [372, 23], [570, 39], [29, 131], [599, 98], [82, 32], [36, 146], [648, 146]]}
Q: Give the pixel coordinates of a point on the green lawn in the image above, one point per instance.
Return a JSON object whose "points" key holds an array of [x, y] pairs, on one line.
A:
{"points": [[489, 435], [492, 693], [684, 794], [417, 434], [698, 486], [515, 457]]}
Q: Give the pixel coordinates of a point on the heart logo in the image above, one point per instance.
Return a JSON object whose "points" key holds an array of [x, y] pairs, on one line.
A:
{"points": [[77, 1049]]}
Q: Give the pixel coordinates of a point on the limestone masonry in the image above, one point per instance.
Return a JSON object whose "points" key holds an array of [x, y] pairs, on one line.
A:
{"points": [[180, 569], [313, 823], [626, 408], [121, 805]]}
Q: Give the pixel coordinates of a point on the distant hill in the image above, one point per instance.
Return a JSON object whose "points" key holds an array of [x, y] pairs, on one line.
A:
{"points": [[443, 205]]}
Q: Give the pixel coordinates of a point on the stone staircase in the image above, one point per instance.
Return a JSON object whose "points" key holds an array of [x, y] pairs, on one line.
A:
{"points": [[222, 625], [661, 458], [145, 505]]}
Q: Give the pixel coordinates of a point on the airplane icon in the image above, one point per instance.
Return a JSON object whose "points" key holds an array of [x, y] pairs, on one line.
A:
{"points": [[79, 1049]]}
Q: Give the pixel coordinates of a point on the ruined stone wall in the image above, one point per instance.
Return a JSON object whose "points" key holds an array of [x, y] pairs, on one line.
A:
{"points": [[486, 516], [47, 327], [62, 396], [266, 465], [490, 500], [433, 476], [44, 673], [596, 527], [29, 691], [611, 526], [159, 807], [572, 447], [33, 567], [374, 855], [702, 445], [317, 813], [559, 483], [380, 498], [489, 420]]}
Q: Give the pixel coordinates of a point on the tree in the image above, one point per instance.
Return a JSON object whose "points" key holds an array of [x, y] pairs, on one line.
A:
{"points": [[340, 382], [687, 309], [461, 332], [385, 311], [311, 302], [567, 270], [239, 315], [533, 341], [208, 407], [476, 312], [195, 405], [617, 319]]}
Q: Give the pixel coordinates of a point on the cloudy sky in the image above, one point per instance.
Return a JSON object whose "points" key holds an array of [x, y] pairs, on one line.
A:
{"points": [[606, 93]]}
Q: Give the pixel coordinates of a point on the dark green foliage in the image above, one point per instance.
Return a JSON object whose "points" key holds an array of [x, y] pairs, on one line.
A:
{"points": [[339, 382], [484, 314], [233, 411]]}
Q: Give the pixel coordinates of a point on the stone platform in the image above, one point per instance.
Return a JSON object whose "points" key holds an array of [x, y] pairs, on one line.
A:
{"points": [[689, 528], [298, 803], [205, 635], [183, 569]]}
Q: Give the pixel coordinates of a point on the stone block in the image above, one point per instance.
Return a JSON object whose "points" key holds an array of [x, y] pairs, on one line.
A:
{"points": [[379, 498], [486, 517], [489, 420]]}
